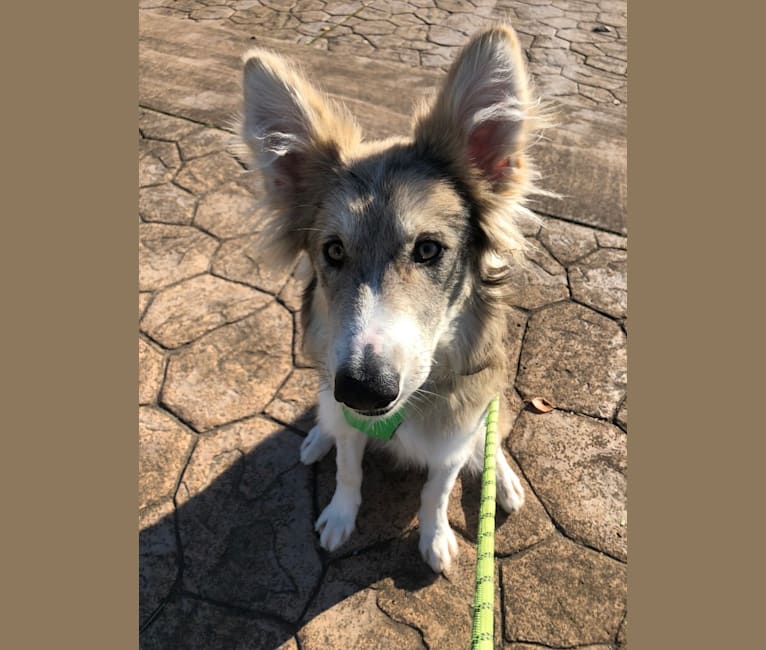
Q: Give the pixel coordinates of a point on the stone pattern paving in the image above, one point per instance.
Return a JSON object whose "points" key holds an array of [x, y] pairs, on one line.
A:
{"points": [[228, 556], [577, 49]]}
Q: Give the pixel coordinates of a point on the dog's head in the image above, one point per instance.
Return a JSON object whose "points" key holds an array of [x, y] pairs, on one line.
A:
{"points": [[409, 239]]}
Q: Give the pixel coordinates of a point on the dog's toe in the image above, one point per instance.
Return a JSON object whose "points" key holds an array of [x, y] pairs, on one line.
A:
{"points": [[439, 548], [334, 526], [510, 492], [315, 446]]}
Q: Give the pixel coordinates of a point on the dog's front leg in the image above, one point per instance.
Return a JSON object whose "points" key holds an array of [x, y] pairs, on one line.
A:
{"points": [[337, 520], [438, 545]]}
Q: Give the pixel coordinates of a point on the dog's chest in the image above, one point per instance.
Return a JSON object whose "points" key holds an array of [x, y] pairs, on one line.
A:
{"points": [[417, 443]]}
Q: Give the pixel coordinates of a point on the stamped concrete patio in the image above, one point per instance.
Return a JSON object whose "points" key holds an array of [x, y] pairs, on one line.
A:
{"points": [[229, 558]]}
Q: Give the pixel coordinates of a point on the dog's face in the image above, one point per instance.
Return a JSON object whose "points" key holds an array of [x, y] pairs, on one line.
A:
{"points": [[400, 234], [391, 249]]}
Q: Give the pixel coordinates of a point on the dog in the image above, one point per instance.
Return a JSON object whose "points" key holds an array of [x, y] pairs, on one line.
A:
{"points": [[411, 245]]}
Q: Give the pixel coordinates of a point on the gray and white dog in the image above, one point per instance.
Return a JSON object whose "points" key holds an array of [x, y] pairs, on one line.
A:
{"points": [[410, 243]]}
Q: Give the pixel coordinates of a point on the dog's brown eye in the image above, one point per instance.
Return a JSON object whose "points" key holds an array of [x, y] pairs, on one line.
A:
{"points": [[427, 251], [334, 253]]}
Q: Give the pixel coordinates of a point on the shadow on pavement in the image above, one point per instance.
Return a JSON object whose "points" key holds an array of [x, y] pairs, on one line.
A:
{"points": [[238, 564]]}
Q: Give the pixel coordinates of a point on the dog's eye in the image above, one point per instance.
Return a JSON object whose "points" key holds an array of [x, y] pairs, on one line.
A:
{"points": [[427, 251], [334, 253]]}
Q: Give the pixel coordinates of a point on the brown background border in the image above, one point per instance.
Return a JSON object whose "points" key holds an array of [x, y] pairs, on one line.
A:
{"points": [[70, 288], [69, 241], [693, 580]]}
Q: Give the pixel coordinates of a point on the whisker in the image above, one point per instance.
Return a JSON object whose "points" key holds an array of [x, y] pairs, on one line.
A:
{"points": [[428, 392], [413, 405]]}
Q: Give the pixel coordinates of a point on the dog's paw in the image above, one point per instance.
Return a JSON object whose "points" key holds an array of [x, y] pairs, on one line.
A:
{"points": [[438, 546], [315, 446], [510, 493], [336, 523]]}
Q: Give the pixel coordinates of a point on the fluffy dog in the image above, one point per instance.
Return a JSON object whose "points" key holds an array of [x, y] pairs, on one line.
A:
{"points": [[411, 244]]}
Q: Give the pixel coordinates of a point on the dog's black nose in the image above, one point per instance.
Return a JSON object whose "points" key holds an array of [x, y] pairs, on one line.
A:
{"points": [[369, 386]]}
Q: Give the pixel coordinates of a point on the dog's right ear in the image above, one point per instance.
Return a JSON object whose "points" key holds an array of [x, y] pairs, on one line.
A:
{"points": [[297, 137]]}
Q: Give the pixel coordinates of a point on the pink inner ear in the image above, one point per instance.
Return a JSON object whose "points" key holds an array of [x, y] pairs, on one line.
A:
{"points": [[484, 152], [288, 170]]}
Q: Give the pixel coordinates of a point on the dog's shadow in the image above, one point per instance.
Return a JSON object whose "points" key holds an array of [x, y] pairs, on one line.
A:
{"points": [[237, 564]]}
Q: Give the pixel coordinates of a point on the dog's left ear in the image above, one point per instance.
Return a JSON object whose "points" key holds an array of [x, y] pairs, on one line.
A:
{"points": [[477, 123]]}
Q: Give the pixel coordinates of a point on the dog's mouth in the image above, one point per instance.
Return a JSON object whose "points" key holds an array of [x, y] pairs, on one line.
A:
{"points": [[387, 411], [375, 413]]}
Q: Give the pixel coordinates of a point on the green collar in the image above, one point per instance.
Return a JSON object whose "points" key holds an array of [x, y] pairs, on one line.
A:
{"points": [[382, 428]]}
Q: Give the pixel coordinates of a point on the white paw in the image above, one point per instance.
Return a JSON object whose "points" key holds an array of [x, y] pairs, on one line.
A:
{"points": [[315, 446], [336, 523], [510, 493], [438, 547]]}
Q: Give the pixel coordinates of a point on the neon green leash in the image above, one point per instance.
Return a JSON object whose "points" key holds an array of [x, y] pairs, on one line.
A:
{"points": [[482, 630]]}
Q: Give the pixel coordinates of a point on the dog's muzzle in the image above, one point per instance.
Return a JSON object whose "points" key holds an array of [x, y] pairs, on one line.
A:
{"points": [[369, 387]]}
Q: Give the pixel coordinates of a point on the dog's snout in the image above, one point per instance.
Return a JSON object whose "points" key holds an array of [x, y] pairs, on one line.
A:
{"points": [[369, 386]]}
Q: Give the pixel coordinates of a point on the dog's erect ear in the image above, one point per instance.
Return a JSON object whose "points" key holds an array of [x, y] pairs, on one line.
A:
{"points": [[478, 121], [297, 137]]}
